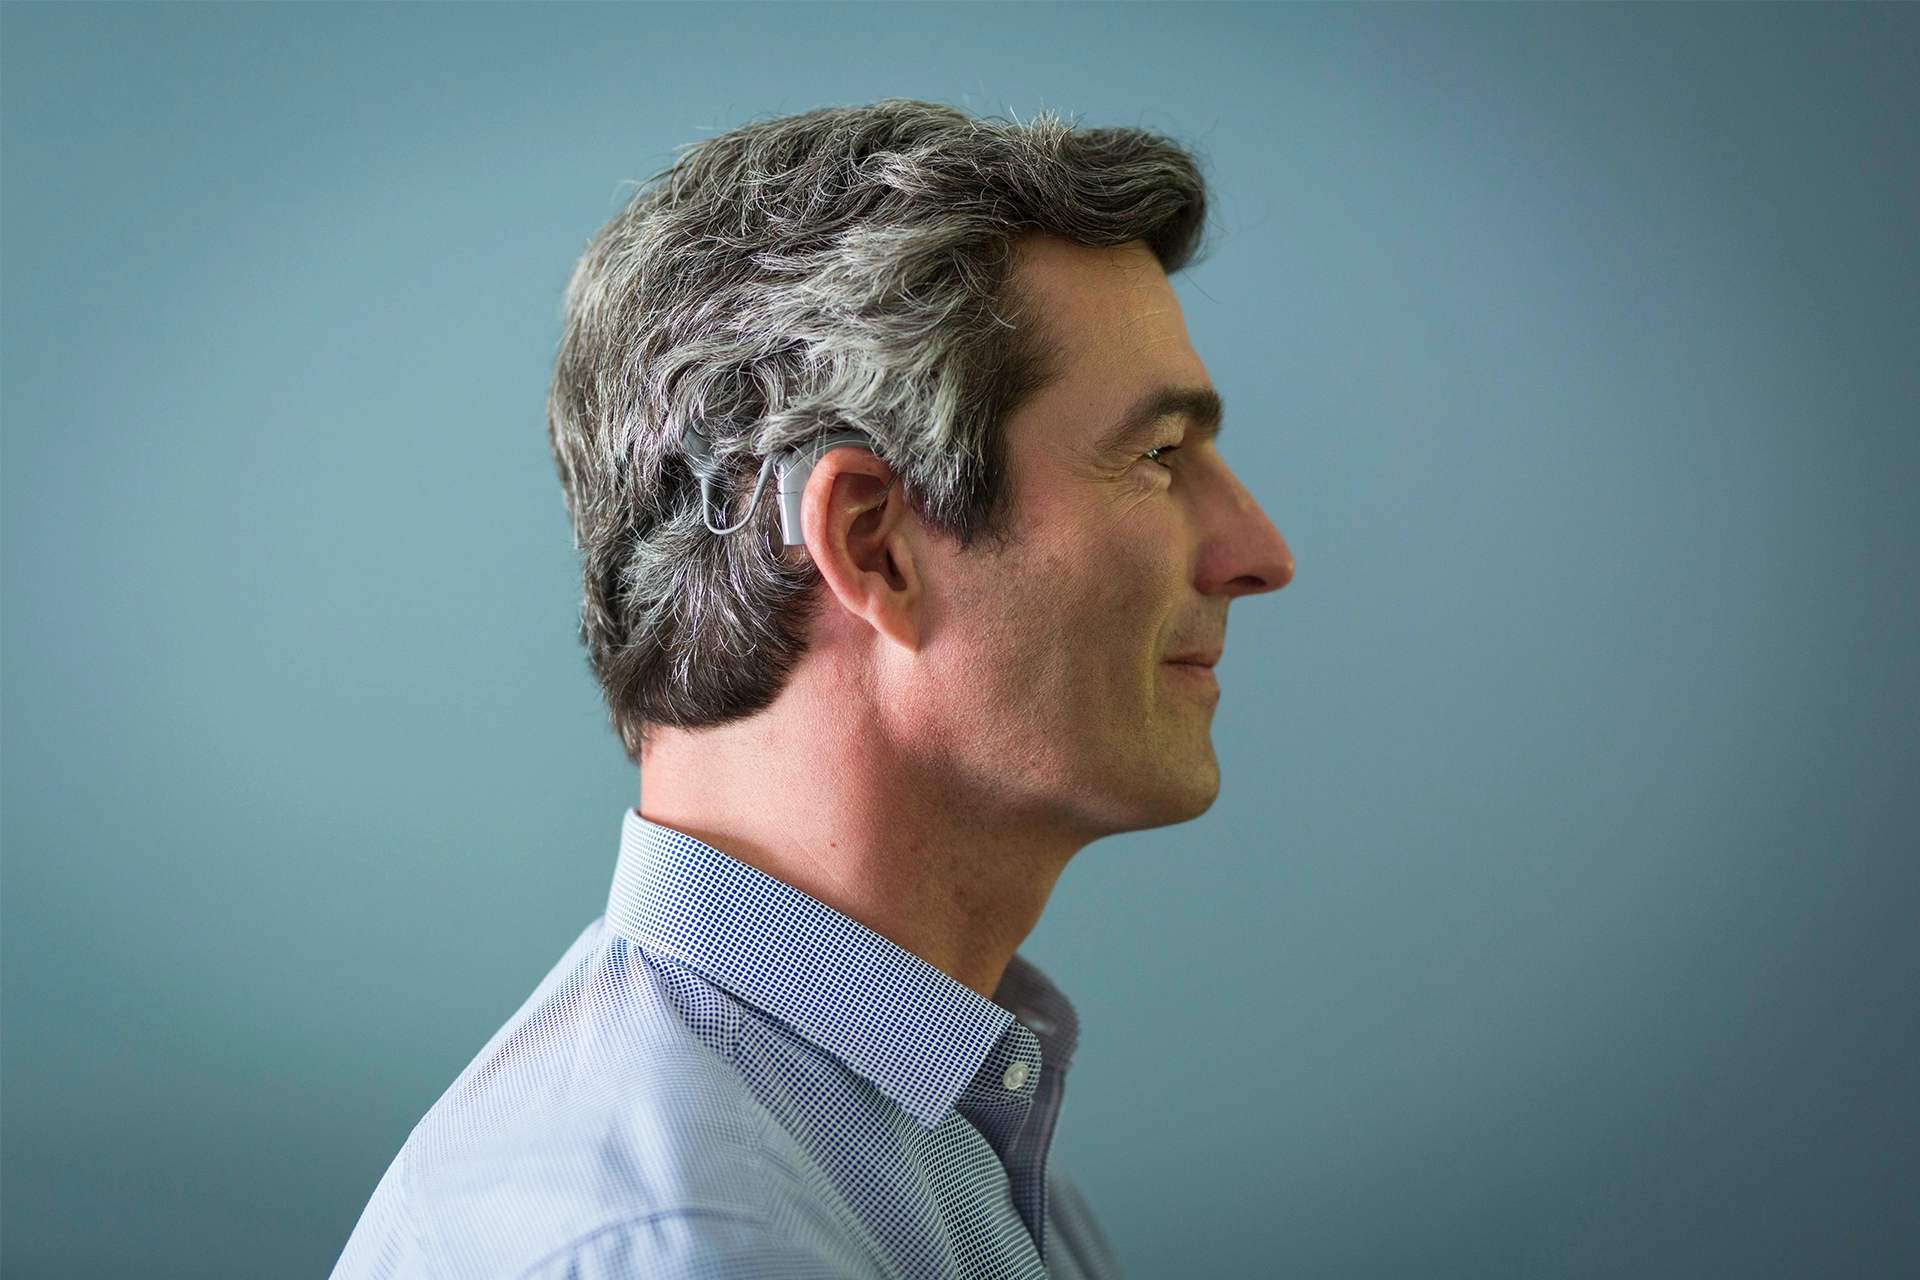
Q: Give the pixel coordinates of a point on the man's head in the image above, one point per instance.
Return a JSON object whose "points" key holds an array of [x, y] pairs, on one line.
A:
{"points": [[988, 303], [1073, 657]]}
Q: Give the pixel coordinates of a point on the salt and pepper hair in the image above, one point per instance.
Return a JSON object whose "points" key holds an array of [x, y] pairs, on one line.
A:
{"points": [[842, 269]]}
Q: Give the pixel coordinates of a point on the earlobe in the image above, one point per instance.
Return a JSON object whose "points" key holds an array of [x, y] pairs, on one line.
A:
{"points": [[859, 531]]}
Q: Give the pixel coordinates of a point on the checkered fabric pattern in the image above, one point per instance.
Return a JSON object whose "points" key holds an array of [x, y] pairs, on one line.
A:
{"points": [[726, 1078]]}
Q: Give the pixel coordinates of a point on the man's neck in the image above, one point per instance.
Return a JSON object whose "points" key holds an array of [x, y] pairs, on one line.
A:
{"points": [[820, 796]]}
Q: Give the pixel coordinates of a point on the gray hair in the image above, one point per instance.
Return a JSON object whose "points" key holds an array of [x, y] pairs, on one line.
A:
{"points": [[846, 269]]}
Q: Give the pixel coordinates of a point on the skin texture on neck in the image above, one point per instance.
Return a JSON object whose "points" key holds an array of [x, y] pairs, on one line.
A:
{"points": [[818, 792], [965, 720]]}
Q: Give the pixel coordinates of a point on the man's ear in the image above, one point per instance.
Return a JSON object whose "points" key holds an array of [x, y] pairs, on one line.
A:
{"points": [[860, 533]]}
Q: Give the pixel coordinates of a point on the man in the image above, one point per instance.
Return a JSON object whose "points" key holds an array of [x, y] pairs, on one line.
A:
{"points": [[908, 555]]}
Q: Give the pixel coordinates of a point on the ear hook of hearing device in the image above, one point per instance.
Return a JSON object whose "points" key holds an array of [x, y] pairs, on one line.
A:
{"points": [[700, 454], [796, 466]]}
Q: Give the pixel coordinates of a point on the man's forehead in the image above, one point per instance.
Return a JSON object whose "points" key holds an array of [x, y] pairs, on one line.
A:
{"points": [[1122, 363], [1059, 273], [1106, 305]]}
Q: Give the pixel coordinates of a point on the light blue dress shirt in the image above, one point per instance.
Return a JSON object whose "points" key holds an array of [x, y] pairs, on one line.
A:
{"points": [[726, 1078]]}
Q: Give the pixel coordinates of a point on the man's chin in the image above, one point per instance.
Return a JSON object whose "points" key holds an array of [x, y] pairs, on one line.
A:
{"points": [[1197, 799], [1178, 795]]}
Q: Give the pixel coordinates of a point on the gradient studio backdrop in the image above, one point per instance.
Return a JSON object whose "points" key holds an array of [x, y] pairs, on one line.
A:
{"points": [[1559, 915]]}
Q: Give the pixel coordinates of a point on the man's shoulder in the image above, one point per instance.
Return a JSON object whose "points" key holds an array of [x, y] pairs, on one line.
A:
{"points": [[594, 1125]]}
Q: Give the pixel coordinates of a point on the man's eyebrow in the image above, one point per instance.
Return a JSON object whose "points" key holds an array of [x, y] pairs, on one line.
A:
{"points": [[1200, 406]]}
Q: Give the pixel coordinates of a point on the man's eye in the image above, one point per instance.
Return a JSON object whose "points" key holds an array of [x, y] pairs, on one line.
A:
{"points": [[1159, 455]]}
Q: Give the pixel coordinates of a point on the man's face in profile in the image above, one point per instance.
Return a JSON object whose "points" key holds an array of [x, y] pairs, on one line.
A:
{"points": [[1075, 659]]}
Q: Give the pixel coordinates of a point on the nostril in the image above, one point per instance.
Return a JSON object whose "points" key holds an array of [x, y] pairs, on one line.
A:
{"points": [[1248, 584]]}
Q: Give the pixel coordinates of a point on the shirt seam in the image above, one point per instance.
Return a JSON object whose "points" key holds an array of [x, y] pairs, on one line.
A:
{"points": [[643, 1219], [407, 1215]]}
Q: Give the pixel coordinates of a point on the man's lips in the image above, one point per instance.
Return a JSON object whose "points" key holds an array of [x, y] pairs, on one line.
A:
{"points": [[1196, 666]]}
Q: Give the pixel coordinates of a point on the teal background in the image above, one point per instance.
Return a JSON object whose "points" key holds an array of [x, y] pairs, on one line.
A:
{"points": [[1561, 915]]}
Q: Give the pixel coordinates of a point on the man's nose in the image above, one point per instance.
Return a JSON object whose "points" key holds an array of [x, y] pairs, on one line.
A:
{"points": [[1241, 554]]}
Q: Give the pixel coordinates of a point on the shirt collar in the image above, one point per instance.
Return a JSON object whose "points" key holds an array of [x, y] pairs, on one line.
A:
{"points": [[914, 1033]]}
